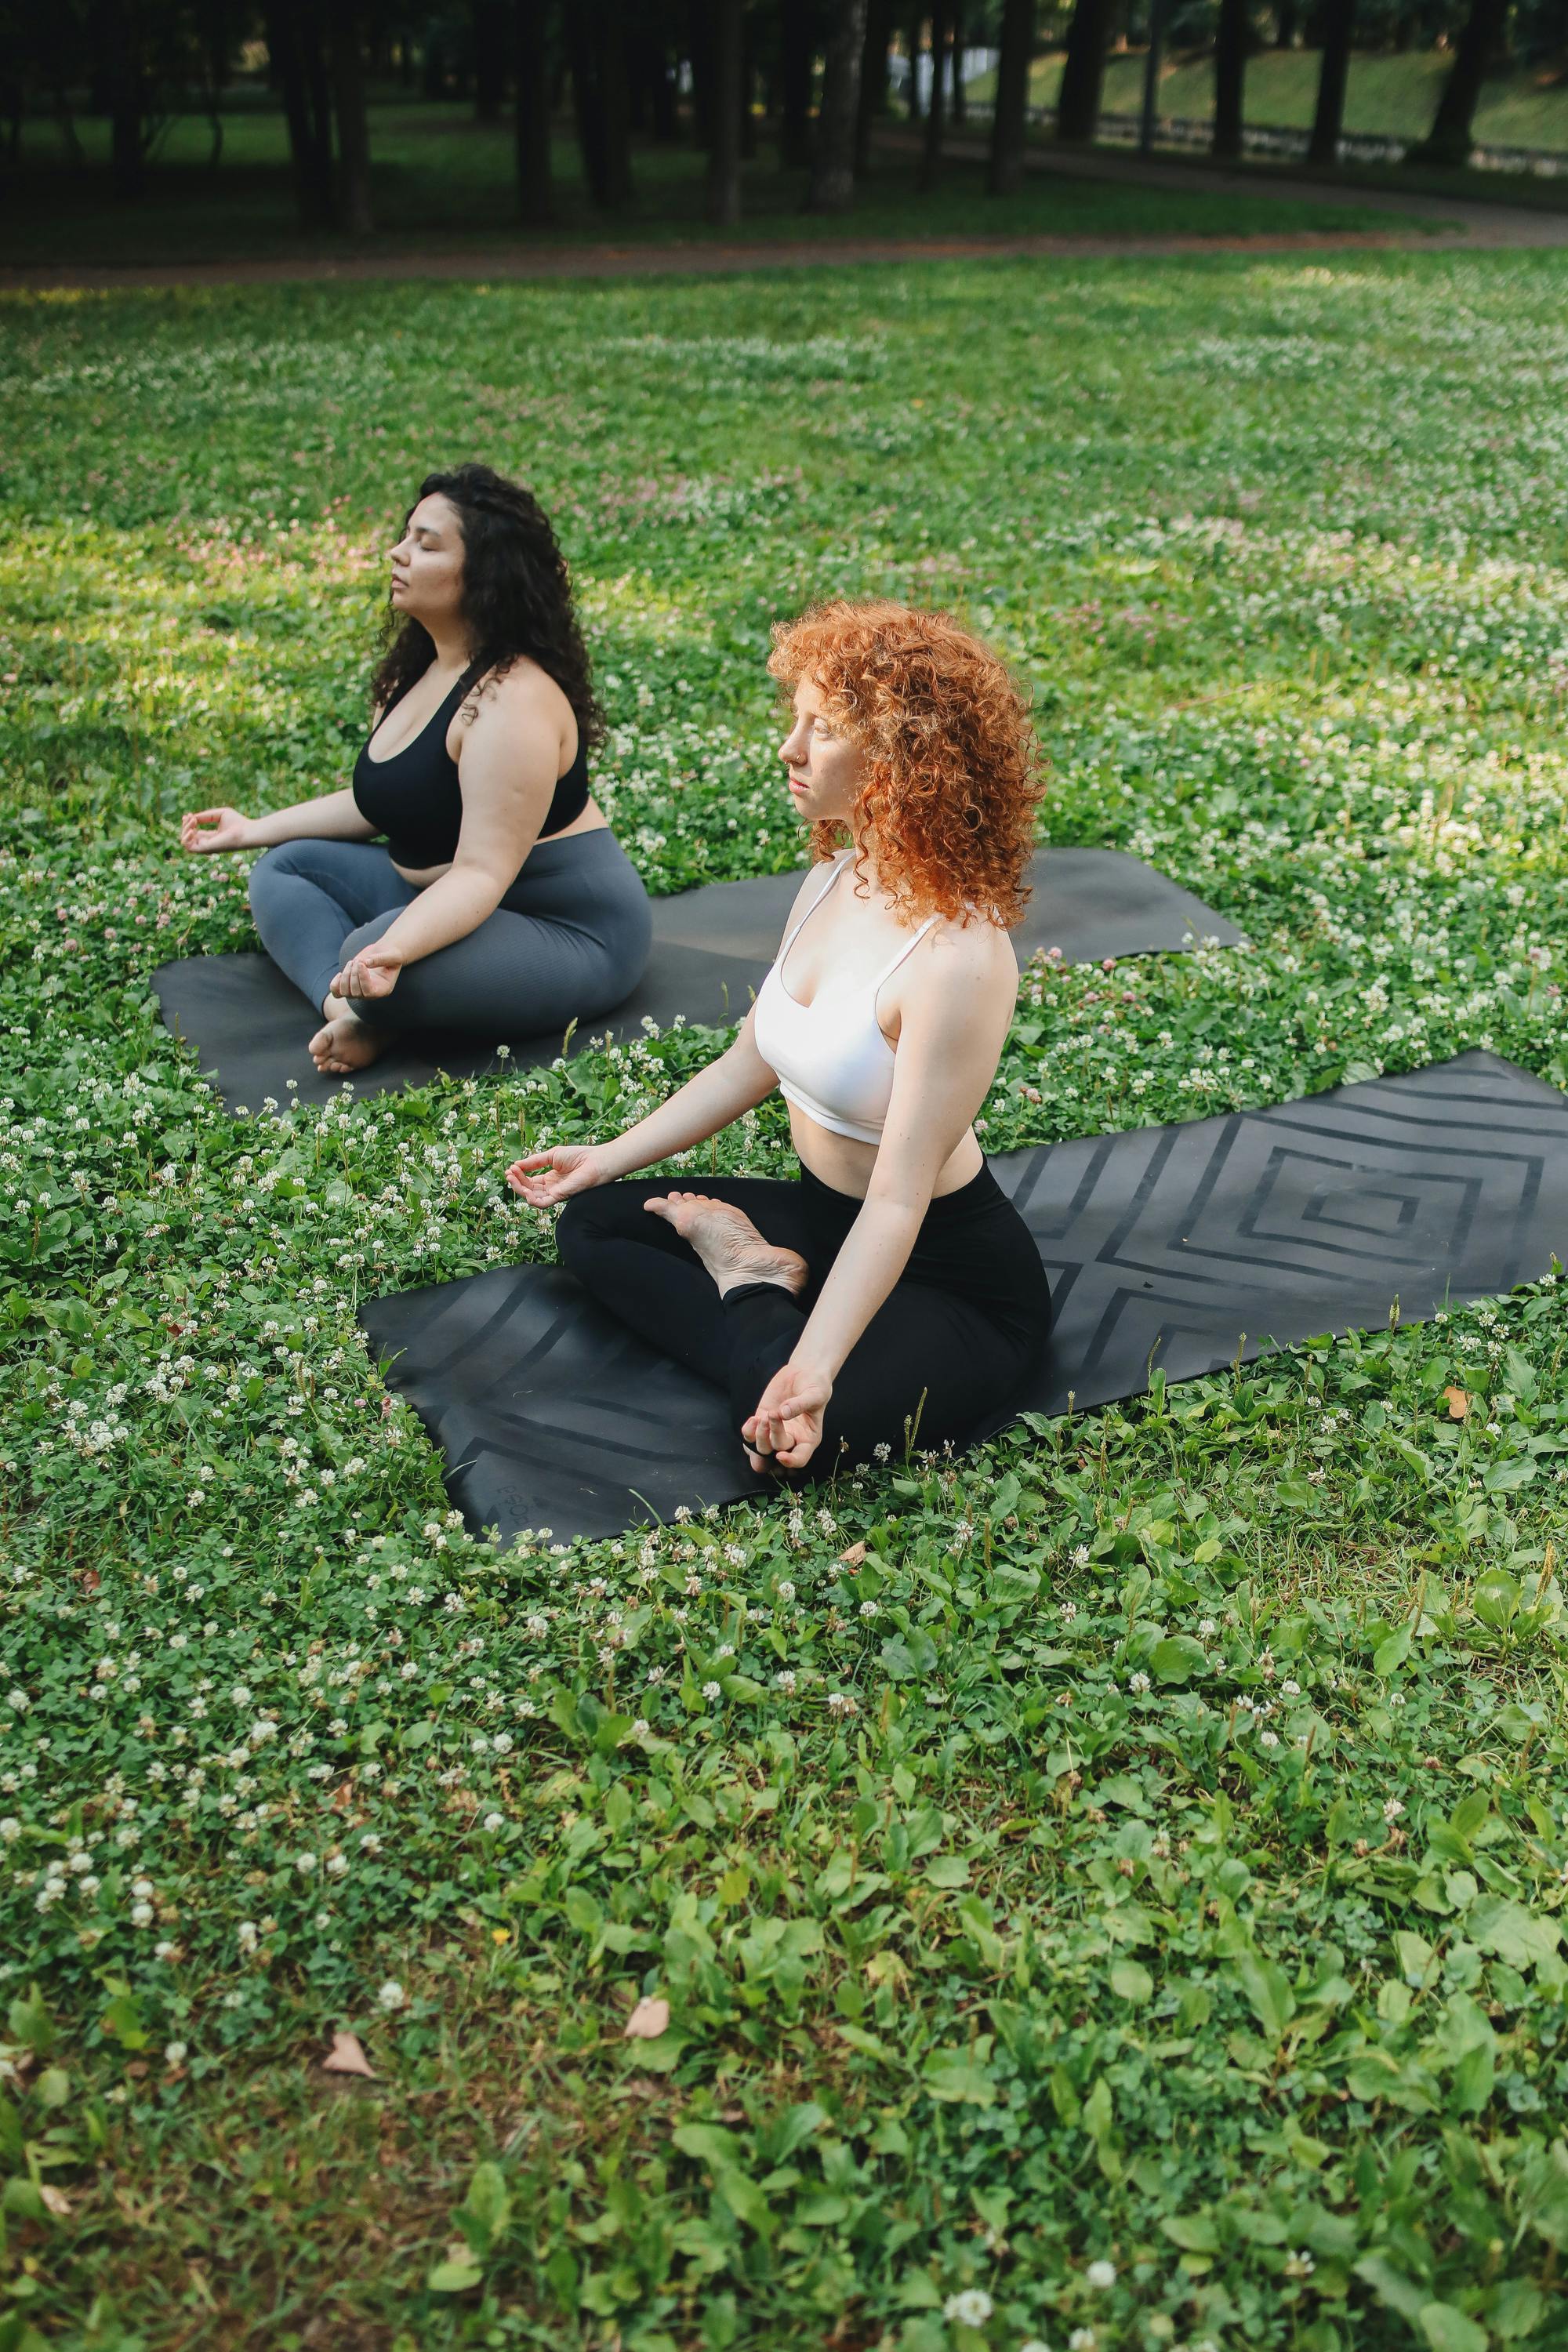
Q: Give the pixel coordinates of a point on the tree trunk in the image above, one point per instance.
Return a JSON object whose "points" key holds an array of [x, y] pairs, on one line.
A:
{"points": [[724, 154], [912, 24], [936, 101], [531, 57], [873, 99], [310, 133], [1083, 73], [748, 84], [699, 51], [1009, 122], [618, 108], [354, 212], [1229, 75], [594, 32], [833, 159], [1285, 20], [127, 99], [1339, 26], [956, 97], [1451, 137], [795, 84], [490, 59]]}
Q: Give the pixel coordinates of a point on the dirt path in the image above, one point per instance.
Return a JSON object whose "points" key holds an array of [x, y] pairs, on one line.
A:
{"points": [[1456, 225]]}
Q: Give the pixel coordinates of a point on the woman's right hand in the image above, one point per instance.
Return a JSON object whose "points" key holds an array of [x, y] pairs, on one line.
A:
{"points": [[545, 1179], [215, 828]]}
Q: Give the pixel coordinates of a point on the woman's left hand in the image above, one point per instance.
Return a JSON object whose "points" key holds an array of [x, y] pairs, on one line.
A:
{"points": [[372, 973], [785, 1429]]}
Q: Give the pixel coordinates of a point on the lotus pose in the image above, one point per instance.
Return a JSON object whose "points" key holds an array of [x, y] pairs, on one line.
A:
{"points": [[893, 1295], [500, 904]]}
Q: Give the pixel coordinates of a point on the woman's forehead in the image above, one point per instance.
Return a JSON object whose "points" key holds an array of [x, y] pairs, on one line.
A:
{"points": [[432, 514]]}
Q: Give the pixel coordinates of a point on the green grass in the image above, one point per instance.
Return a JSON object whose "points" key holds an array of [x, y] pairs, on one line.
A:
{"points": [[1394, 96], [1151, 1852], [444, 182]]}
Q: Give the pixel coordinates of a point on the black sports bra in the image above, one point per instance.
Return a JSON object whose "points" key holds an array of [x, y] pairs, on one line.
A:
{"points": [[415, 799]]}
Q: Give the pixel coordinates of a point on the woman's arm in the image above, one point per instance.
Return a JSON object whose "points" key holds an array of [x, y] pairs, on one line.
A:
{"points": [[952, 1032], [737, 1082], [334, 816]]}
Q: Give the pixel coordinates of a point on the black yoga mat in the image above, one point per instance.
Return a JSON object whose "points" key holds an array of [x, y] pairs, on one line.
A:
{"points": [[711, 950], [1182, 1246]]}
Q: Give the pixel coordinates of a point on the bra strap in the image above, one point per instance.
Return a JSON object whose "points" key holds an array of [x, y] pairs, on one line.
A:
{"points": [[907, 950], [835, 870]]}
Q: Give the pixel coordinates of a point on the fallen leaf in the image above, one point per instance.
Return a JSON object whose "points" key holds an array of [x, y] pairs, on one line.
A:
{"points": [[1458, 1403], [648, 2020], [853, 1557], [57, 2201], [347, 2056]]}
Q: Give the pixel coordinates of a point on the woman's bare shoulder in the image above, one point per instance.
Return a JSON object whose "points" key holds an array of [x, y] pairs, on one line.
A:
{"points": [[520, 691]]}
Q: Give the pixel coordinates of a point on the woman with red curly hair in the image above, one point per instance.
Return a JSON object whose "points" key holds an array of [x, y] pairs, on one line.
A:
{"points": [[893, 1295]]}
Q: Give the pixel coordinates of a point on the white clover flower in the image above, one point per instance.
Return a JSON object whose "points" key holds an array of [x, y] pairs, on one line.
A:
{"points": [[711, 1691], [391, 1995], [336, 1864], [174, 2053], [1139, 1683], [141, 1915], [972, 2307], [1392, 1809], [786, 1590], [1101, 2275], [305, 1864], [495, 1822]]}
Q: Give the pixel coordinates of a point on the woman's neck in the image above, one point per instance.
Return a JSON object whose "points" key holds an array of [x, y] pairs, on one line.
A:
{"points": [[454, 650]]}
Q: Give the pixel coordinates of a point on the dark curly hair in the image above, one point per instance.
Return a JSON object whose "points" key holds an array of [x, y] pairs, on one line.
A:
{"points": [[517, 597]]}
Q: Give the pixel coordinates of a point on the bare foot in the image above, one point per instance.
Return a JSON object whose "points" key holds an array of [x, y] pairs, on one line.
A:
{"points": [[727, 1243], [345, 1043]]}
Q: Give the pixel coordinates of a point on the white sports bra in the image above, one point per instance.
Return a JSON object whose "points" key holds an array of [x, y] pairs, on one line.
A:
{"points": [[831, 1058]]}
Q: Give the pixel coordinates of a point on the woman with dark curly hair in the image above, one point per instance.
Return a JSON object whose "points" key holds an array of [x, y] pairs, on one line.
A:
{"points": [[502, 903], [893, 1295]]}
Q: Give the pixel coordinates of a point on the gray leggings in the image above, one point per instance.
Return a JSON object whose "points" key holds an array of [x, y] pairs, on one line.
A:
{"points": [[569, 941]]}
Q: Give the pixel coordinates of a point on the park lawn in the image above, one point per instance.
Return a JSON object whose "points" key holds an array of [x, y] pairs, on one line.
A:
{"points": [[444, 182], [1122, 1906], [1395, 95]]}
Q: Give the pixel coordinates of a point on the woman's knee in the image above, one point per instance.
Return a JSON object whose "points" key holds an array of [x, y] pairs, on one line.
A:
{"points": [[275, 864]]}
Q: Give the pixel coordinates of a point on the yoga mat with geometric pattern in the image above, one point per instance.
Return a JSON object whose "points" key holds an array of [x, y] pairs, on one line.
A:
{"points": [[1183, 1247]]}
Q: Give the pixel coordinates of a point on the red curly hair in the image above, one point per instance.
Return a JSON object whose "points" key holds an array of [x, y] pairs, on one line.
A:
{"points": [[952, 768]]}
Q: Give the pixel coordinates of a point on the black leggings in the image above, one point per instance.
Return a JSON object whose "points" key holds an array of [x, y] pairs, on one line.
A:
{"points": [[950, 1346]]}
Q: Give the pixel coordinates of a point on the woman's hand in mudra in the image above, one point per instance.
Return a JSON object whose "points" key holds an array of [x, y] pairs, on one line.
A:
{"points": [[372, 973], [215, 828], [785, 1429], [545, 1179]]}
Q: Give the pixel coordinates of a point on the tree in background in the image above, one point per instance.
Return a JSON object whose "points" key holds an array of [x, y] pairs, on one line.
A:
{"points": [[1009, 120], [1452, 135], [595, 48], [351, 187], [724, 140], [914, 22], [1232, 33], [531, 62], [873, 79], [833, 154], [936, 97], [1328, 121], [1083, 73], [797, 44]]}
